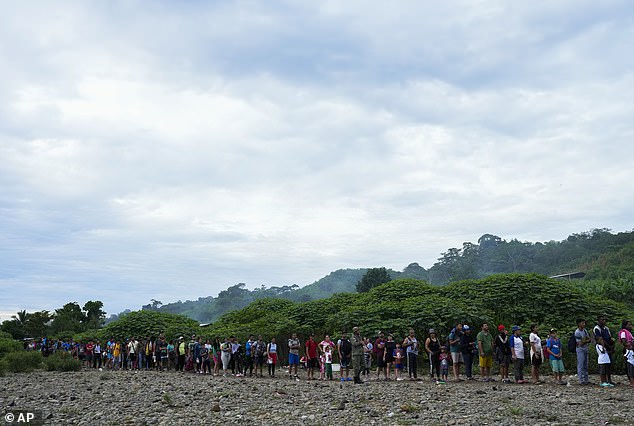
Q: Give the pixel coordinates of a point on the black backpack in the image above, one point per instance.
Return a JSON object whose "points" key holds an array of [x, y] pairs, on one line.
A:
{"points": [[346, 347], [572, 343]]}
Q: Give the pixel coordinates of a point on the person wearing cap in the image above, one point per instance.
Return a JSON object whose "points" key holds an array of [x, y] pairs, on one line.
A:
{"points": [[553, 351], [516, 343], [181, 350], [454, 348], [411, 349], [485, 352], [467, 347], [358, 363], [502, 352], [432, 347]]}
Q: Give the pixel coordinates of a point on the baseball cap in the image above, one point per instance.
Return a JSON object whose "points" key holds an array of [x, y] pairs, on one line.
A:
{"points": [[516, 327], [465, 327], [501, 327]]}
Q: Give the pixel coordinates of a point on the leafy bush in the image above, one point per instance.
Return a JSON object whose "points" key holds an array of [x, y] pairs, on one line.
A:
{"points": [[8, 345], [3, 367], [23, 361], [395, 306], [62, 361], [149, 323]]}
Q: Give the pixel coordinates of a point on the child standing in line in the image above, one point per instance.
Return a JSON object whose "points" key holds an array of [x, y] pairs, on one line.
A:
{"points": [[553, 350], [398, 361], [629, 357], [604, 363], [444, 364], [328, 361]]}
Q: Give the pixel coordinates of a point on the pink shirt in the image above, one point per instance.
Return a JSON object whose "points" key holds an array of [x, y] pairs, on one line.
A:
{"points": [[625, 335]]}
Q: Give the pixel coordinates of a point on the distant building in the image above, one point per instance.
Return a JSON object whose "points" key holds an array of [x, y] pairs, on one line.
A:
{"points": [[569, 276]]}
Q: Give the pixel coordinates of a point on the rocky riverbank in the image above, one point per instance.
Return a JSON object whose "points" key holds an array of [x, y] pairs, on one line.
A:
{"points": [[166, 398]]}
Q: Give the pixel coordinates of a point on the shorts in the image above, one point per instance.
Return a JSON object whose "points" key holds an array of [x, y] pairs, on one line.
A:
{"points": [[313, 363], [557, 365], [398, 366], [259, 360], [536, 361], [380, 363], [293, 359], [604, 369], [457, 358], [504, 360], [630, 371], [345, 362], [486, 361]]}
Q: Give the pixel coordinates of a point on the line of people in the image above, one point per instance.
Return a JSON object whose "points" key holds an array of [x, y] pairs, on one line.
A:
{"points": [[394, 358]]}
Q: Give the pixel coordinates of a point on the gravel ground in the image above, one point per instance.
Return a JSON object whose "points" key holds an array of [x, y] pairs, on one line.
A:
{"points": [[167, 398]]}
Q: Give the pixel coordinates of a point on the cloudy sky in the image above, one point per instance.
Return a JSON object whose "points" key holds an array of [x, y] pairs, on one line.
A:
{"points": [[169, 150]]}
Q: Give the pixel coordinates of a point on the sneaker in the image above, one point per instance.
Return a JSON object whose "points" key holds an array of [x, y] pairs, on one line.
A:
{"points": [[343, 380], [400, 379], [604, 385], [348, 379]]}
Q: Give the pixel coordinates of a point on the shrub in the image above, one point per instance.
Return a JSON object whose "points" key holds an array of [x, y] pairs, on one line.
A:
{"points": [[62, 361], [3, 367], [23, 361], [8, 345]]}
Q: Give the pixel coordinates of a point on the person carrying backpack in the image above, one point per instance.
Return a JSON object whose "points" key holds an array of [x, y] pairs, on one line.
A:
{"points": [[345, 356]]}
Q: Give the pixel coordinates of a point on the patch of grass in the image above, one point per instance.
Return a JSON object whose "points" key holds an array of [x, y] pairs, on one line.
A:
{"points": [[409, 408], [168, 400], [70, 410], [515, 411]]}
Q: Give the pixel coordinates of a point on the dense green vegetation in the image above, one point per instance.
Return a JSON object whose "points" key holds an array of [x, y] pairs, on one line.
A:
{"points": [[148, 324], [374, 277], [395, 306], [606, 258], [64, 322], [62, 361], [510, 299], [599, 253]]}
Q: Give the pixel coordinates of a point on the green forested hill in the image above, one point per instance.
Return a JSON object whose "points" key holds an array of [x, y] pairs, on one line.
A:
{"points": [[400, 304], [607, 259]]}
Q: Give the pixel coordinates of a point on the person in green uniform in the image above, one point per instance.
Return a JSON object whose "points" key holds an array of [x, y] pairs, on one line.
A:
{"points": [[358, 361]]}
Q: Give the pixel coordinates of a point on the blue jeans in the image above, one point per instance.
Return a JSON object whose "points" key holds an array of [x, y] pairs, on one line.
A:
{"points": [[582, 364]]}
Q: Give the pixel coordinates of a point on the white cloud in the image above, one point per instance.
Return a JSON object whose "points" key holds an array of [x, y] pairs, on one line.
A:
{"points": [[154, 152]]}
